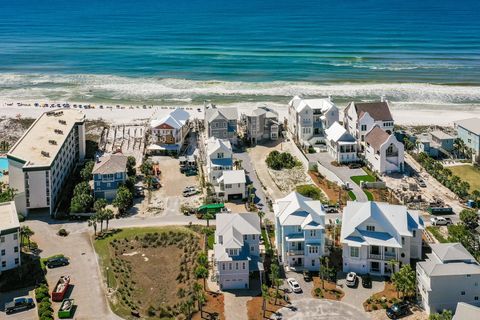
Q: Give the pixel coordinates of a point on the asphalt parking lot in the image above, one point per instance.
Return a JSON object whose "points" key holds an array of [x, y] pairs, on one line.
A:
{"points": [[24, 315]]}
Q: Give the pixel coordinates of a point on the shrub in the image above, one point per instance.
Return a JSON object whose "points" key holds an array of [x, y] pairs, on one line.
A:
{"points": [[151, 311], [21, 218], [311, 149], [62, 232], [374, 307], [384, 305], [278, 161], [310, 191]]}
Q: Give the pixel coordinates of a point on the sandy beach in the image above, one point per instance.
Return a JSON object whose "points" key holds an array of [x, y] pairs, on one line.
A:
{"points": [[442, 115]]}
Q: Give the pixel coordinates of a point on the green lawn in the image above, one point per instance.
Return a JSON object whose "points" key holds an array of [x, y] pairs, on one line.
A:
{"points": [[369, 195], [468, 173], [436, 233], [352, 195], [367, 178]]}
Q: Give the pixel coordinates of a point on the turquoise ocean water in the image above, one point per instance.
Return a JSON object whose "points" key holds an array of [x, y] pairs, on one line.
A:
{"points": [[186, 51]]}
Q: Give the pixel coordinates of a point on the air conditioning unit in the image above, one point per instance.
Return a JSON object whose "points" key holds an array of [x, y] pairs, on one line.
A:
{"points": [[45, 154]]}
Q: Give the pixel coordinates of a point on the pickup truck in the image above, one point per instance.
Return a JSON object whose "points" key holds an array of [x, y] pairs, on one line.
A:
{"points": [[61, 288], [19, 304], [441, 221]]}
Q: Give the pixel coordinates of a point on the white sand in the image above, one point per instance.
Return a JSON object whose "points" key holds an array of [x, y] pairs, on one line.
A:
{"points": [[443, 115]]}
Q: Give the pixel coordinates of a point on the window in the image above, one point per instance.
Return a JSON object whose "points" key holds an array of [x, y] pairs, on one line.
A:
{"points": [[243, 265], [354, 252], [4, 264], [313, 233], [230, 266], [236, 265], [363, 127], [223, 266], [313, 262], [15, 236], [370, 228], [475, 298], [16, 261], [252, 249], [3, 252], [403, 241], [15, 249], [253, 237], [462, 293], [2, 239], [245, 237], [414, 232]]}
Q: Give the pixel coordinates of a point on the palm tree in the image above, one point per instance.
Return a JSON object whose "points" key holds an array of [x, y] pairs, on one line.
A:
{"points": [[26, 233], [202, 272], [274, 274], [261, 215], [198, 289], [392, 263], [208, 216], [93, 222], [108, 215], [323, 259], [265, 297]]}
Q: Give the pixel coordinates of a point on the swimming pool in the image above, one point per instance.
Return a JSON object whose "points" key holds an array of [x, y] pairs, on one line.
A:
{"points": [[3, 165]]}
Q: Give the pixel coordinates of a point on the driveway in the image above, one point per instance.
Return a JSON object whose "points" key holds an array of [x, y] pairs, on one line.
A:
{"points": [[318, 309], [88, 288], [357, 296], [342, 172]]}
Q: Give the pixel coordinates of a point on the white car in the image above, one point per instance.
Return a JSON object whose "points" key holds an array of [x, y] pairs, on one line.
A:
{"points": [[293, 284], [441, 221], [351, 279]]}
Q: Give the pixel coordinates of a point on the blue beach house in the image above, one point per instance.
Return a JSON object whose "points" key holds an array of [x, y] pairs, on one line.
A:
{"points": [[109, 171], [469, 131]]}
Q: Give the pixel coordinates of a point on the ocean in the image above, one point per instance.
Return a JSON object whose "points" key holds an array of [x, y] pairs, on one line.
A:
{"points": [[187, 51]]}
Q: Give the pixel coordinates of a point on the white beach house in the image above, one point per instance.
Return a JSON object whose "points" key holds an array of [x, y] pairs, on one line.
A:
{"points": [[374, 233], [236, 249], [309, 118], [232, 185], [449, 275], [360, 118], [9, 237], [41, 161], [341, 145], [169, 132], [300, 231], [383, 152]]}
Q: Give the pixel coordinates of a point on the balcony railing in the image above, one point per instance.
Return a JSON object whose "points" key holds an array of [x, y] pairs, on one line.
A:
{"points": [[386, 256], [295, 252], [375, 256]]}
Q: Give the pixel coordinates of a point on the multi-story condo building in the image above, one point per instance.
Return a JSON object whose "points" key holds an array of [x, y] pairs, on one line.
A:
{"points": [[43, 158], [309, 118], [9, 237], [468, 131], [260, 124], [374, 233], [109, 172], [236, 249], [219, 158], [360, 118], [221, 123], [383, 152], [300, 231], [341, 145], [449, 275], [169, 132]]}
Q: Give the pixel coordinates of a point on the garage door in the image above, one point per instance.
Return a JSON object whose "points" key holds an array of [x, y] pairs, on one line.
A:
{"points": [[236, 196], [234, 284]]}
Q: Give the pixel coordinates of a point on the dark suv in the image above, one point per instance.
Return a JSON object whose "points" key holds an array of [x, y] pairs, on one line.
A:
{"points": [[57, 262], [397, 310], [19, 304]]}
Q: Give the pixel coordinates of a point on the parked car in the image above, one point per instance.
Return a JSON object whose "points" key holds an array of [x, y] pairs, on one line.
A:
{"points": [[307, 276], [421, 183], [139, 191], [330, 209], [190, 192], [397, 310], [352, 279], [366, 281], [441, 221], [57, 262], [19, 304], [293, 284], [191, 172], [355, 165]]}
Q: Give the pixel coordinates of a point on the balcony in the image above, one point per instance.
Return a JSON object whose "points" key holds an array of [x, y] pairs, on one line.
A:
{"points": [[375, 256], [295, 252]]}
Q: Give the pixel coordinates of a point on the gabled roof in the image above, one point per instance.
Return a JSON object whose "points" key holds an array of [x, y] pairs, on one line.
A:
{"points": [[233, 176], [337, 132], [395, 219], [8, 216], [448, 252], [269, 113], [295, 209], [213, 145], [323, 104], [379, 110], [376, 137], [110, 164], [176, 119], [226, 113], [232, 227], [466, 311], [472, 125]]}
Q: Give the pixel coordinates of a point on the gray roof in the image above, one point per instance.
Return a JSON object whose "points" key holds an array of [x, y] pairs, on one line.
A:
{"points": [[110, 164], [441, 135], [449, 259], [227, 113], [466, 311], [472, 125]]}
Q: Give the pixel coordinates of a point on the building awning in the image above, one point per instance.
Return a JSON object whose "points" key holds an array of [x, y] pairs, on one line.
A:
{"points": [[296, 237], [167, 147]]}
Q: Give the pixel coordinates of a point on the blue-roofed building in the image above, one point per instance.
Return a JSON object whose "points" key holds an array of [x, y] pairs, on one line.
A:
{"points": [[236, 249], [109, 172], [300, 231], [373, 233]]}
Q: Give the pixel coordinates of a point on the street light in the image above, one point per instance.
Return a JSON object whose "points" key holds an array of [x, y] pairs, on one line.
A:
{"points": [[108, 284]]}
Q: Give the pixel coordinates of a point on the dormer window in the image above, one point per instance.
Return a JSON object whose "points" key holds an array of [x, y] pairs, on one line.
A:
{"points": [[370, 228], [220, 239], [244, 237]]}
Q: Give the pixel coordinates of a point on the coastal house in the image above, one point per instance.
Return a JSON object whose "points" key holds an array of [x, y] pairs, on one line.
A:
{"points": [[236, 249], [449, 275], [260, 124], [300, 231], [341, 145], [221, 123], [468, 130], [42, 160], [361, 117], [232, 185], [309, 118], [383, 152], [219, 158], [169, 132], [375, 233], [435, 143], [109, 172], [9, 237]]}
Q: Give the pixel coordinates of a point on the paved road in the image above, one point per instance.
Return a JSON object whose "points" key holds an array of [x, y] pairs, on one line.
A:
{"points": [[318, 309], [343, 172]]}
